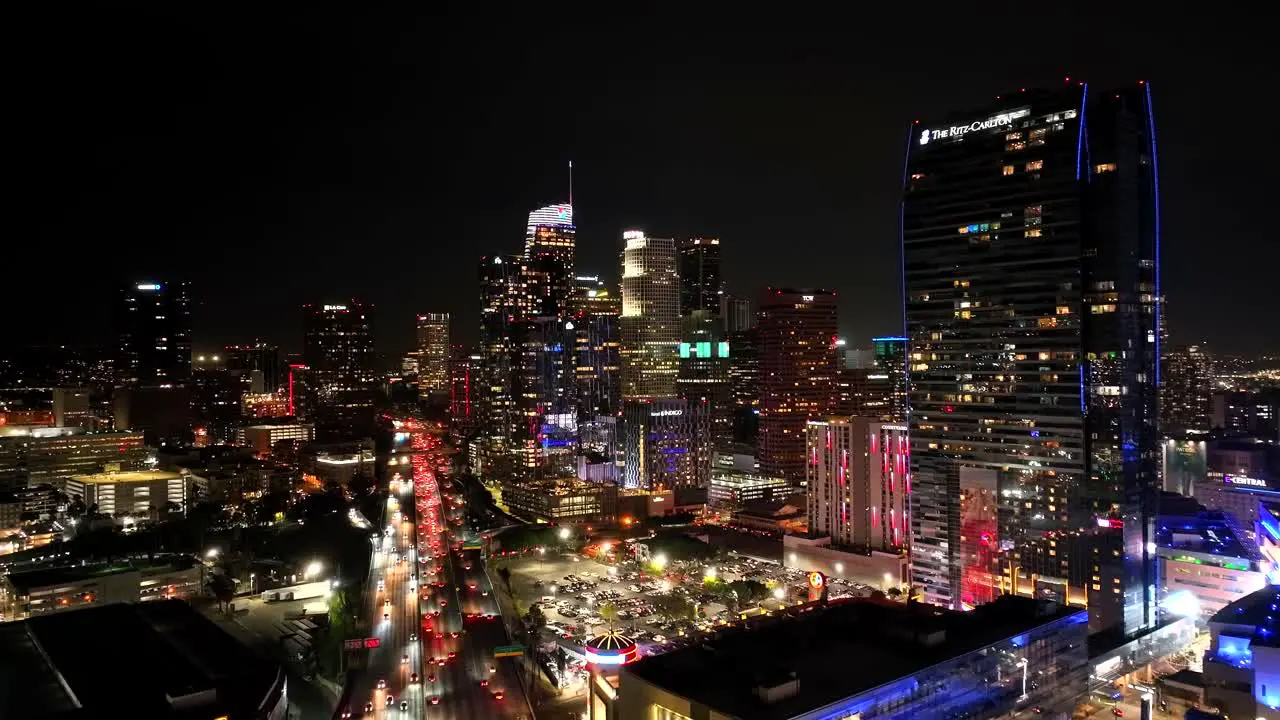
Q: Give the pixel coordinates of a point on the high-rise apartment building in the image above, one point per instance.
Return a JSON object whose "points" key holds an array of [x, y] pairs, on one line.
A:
{"points": [[549, 257], [650, 322], [858, 479], [891, 361], [594, 313], [701, 285], [797, 330], [1030, 241], [433, 353], [744, 384], [864, 393], [504, 302], [338, 352], [1186, 380], [545, 391], [153, 331], [464, 386]]}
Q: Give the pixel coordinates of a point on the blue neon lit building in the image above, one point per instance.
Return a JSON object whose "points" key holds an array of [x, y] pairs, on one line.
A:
{"points": [[1242, 664], [1030, 234]]}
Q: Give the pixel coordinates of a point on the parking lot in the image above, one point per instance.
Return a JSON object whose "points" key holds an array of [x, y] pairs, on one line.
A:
{"points": [[661, 605]]}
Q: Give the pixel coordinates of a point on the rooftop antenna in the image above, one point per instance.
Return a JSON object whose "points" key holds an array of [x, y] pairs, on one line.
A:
{"points": [[570, 182]]}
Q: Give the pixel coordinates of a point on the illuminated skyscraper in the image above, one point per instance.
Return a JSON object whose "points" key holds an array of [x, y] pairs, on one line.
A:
{"points": [[703, 379], [548, 254], [1184, 396], [504, 302], [153, 331], [464, 405], [701, 285], [433, 353], [891, 361], [798, 365], [338, 350], [594, 312], [858, 486], [665, 445], [650, 322], [1030, 239]]}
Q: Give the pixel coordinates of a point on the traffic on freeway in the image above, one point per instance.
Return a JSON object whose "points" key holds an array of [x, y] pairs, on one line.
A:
{"points": [[461, 628], [390, 685]]}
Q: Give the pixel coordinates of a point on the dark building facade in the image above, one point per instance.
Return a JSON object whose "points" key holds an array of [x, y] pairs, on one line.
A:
{"points": [[258, 366], [798, 365], [701, 284], [153, 331], [504, 301], [1030, 242], [338, 352], [744, 384], [1186, 379], [891, 361], [703, 378], [464, 386]]}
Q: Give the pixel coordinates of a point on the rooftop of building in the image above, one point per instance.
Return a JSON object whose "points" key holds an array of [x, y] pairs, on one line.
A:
{"points": [[785, 508], [560, 485], [1259, 610], [46, 577], [835, 652], [1209, 532], [157, 660], [130, 476]]}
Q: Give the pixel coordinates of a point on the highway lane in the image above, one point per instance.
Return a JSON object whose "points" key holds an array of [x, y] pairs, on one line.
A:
{"points": [[460, 605], [392, 616]]}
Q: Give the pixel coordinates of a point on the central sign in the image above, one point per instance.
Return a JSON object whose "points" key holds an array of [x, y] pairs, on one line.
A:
{"points": [[996, 121], [1242, 480]]}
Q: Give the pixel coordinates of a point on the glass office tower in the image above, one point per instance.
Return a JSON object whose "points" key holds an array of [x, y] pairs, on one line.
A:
{"points": [[650, 322], [1030, 232], [701, 285]]}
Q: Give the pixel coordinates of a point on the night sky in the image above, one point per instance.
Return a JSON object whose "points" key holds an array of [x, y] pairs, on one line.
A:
{"points": [[277, 160]]}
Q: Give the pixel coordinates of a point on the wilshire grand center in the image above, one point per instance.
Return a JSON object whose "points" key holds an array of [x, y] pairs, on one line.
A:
{"points": [[1030, 240]]}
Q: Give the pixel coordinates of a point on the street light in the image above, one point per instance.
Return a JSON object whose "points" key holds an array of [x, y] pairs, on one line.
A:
{"points": [[779, 594], [660, 561], [312, 570], [710, 574], [211, 553], [564, 533]]}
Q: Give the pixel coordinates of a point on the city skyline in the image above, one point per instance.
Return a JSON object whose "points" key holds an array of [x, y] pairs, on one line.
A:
{"points": [[798, 145]]}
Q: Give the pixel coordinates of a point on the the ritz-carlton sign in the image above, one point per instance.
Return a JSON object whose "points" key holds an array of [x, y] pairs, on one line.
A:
{"points": [[990, 123]]}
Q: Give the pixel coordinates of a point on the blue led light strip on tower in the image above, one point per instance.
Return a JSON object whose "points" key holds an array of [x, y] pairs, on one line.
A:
{"points": [[902, 256], [1084, 98], [1155, 178]]}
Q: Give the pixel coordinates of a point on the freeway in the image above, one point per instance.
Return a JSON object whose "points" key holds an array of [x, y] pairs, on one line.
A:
{"points": [[389, 686], [463, 680]]}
